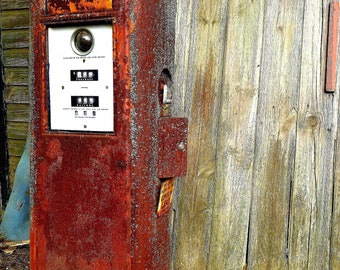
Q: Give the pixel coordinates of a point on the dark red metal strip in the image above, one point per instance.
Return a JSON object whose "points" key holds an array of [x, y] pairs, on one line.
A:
{"points": [[332, 49]]}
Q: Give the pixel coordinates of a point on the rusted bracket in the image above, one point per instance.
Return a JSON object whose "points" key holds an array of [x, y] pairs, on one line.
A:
{"points": [[332, 49], [172, 157], [172, 147]]}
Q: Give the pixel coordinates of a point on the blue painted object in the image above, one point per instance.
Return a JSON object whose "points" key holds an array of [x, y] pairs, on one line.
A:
{"points": [[15, 223]]}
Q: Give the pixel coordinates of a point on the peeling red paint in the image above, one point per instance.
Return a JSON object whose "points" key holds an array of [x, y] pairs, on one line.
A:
{"points": [[72, 6]]}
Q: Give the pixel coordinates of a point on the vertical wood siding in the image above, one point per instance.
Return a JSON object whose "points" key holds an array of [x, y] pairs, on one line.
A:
{"points": [[262, 190], [14, 17]]}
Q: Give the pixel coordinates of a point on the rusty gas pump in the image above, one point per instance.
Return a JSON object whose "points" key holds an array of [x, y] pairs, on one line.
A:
{"points": [[105, 149]]}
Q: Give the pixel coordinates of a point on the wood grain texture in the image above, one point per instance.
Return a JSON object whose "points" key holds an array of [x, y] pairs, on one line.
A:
{"points": [[16, 148], [17, 4], [236, 135], [17, 112], [269, 197], [16, 57], [312, 189], [17, 130], [194, 221], [15, 19], [15, 38], [13, 166], [17, 94], [275, 135], [335, 226], [16, 76]]}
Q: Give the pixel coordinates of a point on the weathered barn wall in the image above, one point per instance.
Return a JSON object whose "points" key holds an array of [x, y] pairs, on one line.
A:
{"points": [[262, 189], [3, 139], [14, 17]]}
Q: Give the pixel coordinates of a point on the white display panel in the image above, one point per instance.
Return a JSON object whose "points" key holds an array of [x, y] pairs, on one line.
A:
{"points": [[81, 79]]}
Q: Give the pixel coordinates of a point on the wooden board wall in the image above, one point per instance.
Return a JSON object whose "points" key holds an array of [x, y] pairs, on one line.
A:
{"points": [[14, 16], [262, 190]]}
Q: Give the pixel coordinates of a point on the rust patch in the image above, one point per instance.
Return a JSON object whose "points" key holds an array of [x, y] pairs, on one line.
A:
{"points": [[53, 149], [66, 6], [172, 148]]}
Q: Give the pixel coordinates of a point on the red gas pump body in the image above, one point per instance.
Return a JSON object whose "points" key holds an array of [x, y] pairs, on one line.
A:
{"points": [[95, 194]]}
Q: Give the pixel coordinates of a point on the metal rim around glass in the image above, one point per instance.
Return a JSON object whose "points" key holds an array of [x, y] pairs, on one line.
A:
{"points": [[76, 47]]}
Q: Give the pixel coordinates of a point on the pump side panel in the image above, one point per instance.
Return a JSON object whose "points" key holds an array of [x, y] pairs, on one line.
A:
{"points": [[151, 52]]}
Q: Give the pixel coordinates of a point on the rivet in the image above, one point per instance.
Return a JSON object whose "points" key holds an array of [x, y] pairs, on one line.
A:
{"points": [[181, 146]]}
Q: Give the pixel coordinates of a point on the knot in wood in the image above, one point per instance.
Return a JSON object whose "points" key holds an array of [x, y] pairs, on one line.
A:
{"points": [[312, 121]]}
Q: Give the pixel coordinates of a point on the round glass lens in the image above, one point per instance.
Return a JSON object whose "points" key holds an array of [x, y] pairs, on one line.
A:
{"points": [[83, 41]]}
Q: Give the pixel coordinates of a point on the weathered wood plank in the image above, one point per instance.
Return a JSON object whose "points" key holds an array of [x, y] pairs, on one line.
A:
{"points": [[194, 219], [312, 190], [184, 60], [275, 135], [236, 140], [14, 23], [335, 226], [17, 112], [15, 19], [16, 57], [17, 4], [17, 94], [12, 168], [15, 38], [16, 148], [17, 130], [16, 76]]}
